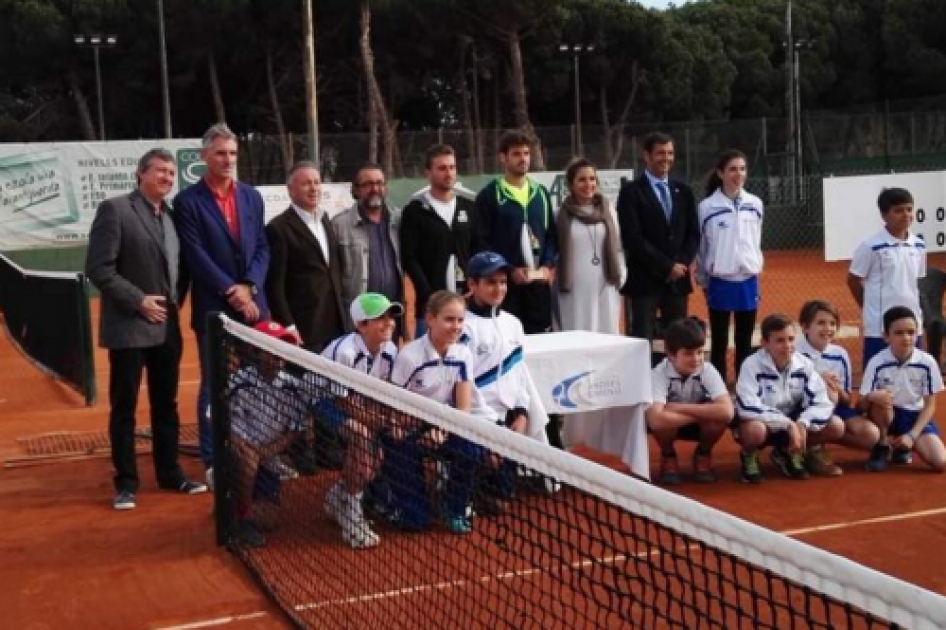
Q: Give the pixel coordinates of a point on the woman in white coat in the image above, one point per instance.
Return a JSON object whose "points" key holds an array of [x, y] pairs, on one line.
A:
{"points": [[590, 267]]}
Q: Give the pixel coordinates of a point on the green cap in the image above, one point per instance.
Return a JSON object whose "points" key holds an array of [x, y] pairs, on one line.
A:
{"points": [[369, 306]]}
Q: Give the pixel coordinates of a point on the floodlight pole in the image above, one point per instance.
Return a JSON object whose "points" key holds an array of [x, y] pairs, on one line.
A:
{"points": [[308, 66], [163, 54], [98, 84]]}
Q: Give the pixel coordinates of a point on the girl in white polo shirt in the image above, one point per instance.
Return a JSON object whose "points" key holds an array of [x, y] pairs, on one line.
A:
{"points": [[438, 367], [730, 257]]}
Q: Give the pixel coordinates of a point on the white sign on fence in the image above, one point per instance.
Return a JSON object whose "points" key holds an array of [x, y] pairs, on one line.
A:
{"points": [[851, 213], [336, 197], [49, 192]]}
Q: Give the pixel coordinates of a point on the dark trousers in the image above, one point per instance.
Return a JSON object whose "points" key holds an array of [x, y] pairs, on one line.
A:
{"points": [[204, 433], [719, 331], [162, 364], [532, 304], [643, 311]]}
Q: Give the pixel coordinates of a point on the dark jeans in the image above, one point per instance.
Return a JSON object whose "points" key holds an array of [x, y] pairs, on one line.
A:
{"points": [[532, 304], [163, 367], [719, 331], [643, 311]]}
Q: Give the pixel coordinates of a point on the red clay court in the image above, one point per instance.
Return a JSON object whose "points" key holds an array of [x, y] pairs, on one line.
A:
{"points": [[69, 561]]}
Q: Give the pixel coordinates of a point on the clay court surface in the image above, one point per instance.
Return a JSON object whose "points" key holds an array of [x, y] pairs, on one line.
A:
{"points": [[67, 560]]}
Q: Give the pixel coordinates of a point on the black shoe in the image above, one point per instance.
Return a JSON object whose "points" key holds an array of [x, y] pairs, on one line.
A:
{"points": [[792, 465], [751, 471], [246, 534], [878, 458], [185, 486], [901, 456], [124, 500]]}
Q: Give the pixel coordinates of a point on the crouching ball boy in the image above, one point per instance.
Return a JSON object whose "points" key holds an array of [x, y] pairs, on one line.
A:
{"points": [[368, 350], [898, 393], [781, 401], [691, 402]]}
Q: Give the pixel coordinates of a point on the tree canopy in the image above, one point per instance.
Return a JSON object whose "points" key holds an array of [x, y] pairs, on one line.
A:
{"points": [[442, 63]]}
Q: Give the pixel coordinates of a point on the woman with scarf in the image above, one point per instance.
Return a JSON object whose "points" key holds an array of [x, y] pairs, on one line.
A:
{"points": [[591, 265]]}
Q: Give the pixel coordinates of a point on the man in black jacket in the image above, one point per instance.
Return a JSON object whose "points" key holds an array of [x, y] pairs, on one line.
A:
{"points": [[660, 234], [440, 232]]}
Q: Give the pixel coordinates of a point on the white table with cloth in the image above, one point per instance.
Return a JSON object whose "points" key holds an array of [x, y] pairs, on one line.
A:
{"points": [[601, 383]]}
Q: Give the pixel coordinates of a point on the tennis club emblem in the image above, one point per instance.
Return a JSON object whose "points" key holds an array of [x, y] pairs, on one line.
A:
{"points": [[573, 392]]}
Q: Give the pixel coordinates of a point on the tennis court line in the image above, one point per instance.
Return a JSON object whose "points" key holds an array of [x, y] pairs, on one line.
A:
{"points": [[867, 521], [222, 621], [423, 588], [508, 575], [219, 621]]}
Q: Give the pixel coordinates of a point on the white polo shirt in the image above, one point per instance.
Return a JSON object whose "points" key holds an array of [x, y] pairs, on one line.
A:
{"points": [[668, 386], [262, 411], [909, 382], [890, 269], [833, 359], [419, 368], [350, 350]]}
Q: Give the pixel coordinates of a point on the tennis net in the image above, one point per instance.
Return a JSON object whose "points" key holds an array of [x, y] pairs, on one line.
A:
{"points": [[556, 541], [47, 316]]}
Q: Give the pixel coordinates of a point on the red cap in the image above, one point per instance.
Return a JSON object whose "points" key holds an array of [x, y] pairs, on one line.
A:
{"points": [[274, 329]]}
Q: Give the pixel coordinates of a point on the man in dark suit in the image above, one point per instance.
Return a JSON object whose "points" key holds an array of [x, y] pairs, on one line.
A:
{"points": [[660, 234], [304, 282], [220, 222], [133, 260]]}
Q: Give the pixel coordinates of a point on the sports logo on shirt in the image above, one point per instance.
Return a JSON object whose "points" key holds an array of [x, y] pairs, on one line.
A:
{"points": [[461, 216], [723, 224]]}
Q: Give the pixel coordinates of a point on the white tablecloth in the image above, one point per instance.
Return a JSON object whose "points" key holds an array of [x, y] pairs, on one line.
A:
{"points": [[602, 383]]}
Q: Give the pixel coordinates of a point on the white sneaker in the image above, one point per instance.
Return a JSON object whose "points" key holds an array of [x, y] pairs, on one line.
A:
{"points": [[281, 468], [333, 502], [355, 529]]}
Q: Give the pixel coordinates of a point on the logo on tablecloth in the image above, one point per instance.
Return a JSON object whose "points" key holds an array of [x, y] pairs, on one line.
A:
{"points": [[586, 389], [570, 394]]}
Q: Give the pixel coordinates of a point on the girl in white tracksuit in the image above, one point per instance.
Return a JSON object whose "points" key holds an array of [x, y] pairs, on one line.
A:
{"points": [[730, 257]]}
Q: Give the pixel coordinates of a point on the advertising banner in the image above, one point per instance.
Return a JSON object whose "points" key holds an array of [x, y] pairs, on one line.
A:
{"points": [[49, 192]]}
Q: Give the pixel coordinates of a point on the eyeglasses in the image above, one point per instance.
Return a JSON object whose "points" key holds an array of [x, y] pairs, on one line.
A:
{"points": [[375, 184]]}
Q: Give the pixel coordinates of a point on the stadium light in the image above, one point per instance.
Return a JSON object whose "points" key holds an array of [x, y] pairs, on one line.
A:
{"points": [[95, 41], [575, 50]]}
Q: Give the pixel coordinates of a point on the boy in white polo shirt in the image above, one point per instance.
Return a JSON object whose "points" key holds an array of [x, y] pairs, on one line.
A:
{"points": [[782, 402], [898, 393], [369, 350], [691, 402], [886, 268]]}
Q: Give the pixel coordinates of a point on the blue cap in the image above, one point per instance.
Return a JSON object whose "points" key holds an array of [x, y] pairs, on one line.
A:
{"points": [[486, 264]]}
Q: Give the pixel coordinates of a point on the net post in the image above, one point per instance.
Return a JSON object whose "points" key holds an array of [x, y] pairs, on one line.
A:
{"points": [[220, 427], [86, 348]]}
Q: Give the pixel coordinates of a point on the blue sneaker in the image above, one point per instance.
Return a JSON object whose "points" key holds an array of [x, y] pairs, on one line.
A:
{"points": [[878, 458], [458, 525]]}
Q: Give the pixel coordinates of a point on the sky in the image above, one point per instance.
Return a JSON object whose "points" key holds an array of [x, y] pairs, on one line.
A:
{"points": [[661, 4]]}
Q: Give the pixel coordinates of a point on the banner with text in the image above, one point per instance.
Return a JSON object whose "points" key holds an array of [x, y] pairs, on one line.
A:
{"points": [[851, 213], [49, 192]]}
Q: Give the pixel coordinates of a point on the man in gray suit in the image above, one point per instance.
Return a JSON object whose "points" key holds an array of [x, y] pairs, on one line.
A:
{"points": [[133, 259]]}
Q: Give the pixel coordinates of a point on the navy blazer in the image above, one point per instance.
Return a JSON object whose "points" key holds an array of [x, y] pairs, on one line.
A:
{"points": [[215, 261], [652, 245]]}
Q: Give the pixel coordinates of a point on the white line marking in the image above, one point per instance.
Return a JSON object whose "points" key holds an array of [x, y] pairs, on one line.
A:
{"points": [[220, 621], [866, 521]]}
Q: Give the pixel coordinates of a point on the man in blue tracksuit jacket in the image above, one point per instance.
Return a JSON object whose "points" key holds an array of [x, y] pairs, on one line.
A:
{"points": [[520, 226]]}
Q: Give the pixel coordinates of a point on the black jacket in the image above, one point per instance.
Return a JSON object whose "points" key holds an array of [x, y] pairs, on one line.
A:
{"points": [[427, 243], [652, 245]]}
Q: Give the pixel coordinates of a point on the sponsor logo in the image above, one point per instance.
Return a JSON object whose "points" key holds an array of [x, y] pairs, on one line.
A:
{"points": [[569, 393], [190, 167]]}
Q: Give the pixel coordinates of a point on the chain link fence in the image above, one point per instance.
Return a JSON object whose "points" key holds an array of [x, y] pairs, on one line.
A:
{"points": [[837, 143]]}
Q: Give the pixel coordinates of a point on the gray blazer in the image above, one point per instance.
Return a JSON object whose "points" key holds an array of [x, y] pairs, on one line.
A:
{"points": [[127, 259], [353, 243]]}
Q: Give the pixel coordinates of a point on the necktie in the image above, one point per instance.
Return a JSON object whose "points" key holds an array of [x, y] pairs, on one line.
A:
{"points": [[664, 198]]}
